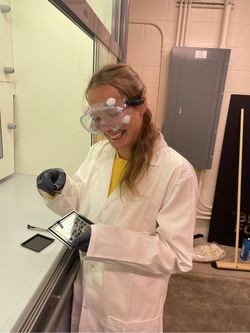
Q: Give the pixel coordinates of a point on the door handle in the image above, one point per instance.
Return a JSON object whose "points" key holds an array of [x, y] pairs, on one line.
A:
{"points": [[11, 126], [4, 8], [8, 70]]}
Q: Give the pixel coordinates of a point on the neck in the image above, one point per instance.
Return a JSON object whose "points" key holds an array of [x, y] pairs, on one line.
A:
{"points": [[124, 153]]}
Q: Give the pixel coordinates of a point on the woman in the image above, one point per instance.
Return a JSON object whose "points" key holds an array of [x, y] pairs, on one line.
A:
{"points": [[141, 196]]}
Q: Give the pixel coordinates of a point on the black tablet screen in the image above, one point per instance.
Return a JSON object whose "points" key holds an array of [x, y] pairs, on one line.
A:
{"points": [[38, 242]]}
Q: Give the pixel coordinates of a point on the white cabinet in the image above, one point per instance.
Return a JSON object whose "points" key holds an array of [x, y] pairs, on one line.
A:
{"points": [[6, 129], [6, 93], [5, 41]]}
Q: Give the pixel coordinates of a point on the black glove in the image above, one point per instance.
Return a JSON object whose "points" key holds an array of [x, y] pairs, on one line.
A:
{"points": [[51, 181], [81, 242]]}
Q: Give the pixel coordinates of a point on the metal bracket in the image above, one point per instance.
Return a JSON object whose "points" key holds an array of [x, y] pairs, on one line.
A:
{"points": [[8, 70], [4, 8], [11, 126]]}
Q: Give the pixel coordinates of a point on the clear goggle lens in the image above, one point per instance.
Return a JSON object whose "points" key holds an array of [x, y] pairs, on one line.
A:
{"points": [[102, 117]]}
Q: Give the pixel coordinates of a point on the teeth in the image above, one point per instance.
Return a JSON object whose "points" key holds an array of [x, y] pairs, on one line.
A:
{"points": [[116, 136]]}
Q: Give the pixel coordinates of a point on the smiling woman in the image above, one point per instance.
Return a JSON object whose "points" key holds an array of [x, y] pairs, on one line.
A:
{"points": [[141, 196], [124, 137]]}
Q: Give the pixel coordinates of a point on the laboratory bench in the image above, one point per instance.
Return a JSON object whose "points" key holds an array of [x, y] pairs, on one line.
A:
{"points": [[36, 287]]}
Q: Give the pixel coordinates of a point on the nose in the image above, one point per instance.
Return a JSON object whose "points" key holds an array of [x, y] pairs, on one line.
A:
{"points": [[106, 127]]}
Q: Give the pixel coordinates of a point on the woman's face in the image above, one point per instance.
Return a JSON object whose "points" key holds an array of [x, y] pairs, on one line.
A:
{"points": [[123, 139]]}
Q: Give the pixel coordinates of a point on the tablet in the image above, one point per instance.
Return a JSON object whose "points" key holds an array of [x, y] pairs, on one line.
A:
{"points": [[38, 242], [69, 227]]}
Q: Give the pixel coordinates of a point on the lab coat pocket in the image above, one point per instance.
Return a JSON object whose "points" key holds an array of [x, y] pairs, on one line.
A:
{"points": [[153, 325]]}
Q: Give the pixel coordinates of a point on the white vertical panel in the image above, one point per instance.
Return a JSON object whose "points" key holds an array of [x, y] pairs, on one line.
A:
{"points": [[53, 62], [5, 42], [7, 135]]}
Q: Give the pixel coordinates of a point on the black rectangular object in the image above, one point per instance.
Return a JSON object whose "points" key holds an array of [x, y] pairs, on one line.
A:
{"points": [[224, 212], [38, 242], [70, 226]]}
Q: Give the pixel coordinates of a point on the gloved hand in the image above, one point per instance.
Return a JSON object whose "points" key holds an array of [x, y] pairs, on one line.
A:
{"points": [[81, 242], [51, 181]]}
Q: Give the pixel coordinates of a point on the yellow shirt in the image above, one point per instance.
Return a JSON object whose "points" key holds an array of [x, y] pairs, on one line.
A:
{"points": [[118, 168]]}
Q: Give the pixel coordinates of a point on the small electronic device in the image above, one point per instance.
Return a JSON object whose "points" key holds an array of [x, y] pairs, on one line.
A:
{"points": [[69, 227], [37, 242]]}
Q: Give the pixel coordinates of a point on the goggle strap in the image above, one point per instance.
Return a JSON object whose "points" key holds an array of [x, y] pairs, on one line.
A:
{"points": [[134, 101]]}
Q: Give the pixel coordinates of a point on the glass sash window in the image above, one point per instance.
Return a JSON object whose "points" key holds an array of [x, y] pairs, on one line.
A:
{"points": [[1, 140]]}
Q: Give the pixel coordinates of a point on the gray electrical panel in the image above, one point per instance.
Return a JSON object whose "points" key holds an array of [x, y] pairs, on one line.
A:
{"points": [[196, 83]]}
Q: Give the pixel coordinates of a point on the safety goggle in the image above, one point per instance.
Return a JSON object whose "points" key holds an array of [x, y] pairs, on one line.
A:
{"points": [[106, 116]]}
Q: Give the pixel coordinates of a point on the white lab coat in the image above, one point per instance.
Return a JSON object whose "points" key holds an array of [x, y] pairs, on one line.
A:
{"points": [[136, 243]]}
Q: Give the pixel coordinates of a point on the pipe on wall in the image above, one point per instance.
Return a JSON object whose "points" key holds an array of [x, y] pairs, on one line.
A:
{"points": [[189, 7], [200, 217], [228, 5], [184, 18], [225, 23], [179, 24], [160, 63]]}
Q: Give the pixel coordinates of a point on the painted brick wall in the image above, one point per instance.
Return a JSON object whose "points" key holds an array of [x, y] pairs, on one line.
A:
{"points": [[152, 35]]}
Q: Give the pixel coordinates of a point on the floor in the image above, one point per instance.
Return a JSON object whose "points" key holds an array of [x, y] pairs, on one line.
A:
{"points": [[209, 299]]}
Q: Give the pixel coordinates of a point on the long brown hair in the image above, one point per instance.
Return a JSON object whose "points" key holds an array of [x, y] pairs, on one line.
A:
{"points": [[127, 82]]}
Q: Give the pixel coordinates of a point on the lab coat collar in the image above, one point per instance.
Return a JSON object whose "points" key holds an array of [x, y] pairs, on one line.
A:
{"points": [[160, 143], [108, 166]]}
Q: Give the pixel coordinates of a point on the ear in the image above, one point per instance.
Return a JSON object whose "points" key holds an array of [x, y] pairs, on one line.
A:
{"points": [[143, 107]]}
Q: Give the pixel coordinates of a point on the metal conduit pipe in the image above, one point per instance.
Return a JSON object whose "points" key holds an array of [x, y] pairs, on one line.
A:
{"points": [[181, 36], [184, 23], [223, 36], [203, 203], [160, 64], [187, 21], [181, 39], [203, 212], [199, 191], [225, 23], [177, 43], [217, 4], [200, 217]]}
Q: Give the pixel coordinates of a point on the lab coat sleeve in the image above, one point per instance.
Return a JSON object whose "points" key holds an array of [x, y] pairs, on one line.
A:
{"points": [[170, 250], [68, 199]]}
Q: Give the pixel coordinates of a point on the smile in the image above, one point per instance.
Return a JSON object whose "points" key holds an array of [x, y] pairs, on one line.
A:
{"points": [[116, 136]]}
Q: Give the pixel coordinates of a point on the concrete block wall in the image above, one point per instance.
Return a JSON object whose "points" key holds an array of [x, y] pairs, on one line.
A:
{"points": [[152, 35]]}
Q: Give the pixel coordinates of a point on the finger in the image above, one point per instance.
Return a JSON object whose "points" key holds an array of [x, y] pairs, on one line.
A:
{"points": [[48, 184], [60, 180], [77, 242]]}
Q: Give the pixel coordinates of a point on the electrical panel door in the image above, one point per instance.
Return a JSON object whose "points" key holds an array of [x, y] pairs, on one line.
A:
{"points": [[196, 83]]}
